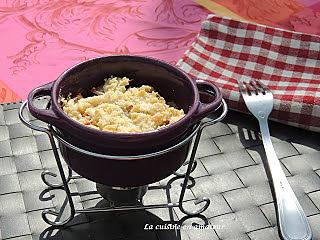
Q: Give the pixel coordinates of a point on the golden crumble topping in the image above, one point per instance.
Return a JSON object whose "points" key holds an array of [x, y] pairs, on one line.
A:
{"points": [[117, 108]]}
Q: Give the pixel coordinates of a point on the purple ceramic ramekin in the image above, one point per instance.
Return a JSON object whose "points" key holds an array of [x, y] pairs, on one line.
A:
{"points": [[173, 84]]}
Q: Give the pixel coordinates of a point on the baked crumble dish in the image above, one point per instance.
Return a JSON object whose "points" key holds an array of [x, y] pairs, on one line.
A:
{"points": [[116, 107]]}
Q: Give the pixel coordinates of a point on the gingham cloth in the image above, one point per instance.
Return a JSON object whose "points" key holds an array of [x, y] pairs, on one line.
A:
{"points": [[287, 62]]}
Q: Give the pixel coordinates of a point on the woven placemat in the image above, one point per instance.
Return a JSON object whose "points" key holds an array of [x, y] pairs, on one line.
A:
{"points": [[229, 172]]}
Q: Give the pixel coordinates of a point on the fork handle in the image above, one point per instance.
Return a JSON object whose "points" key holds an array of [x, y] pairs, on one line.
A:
{"points": [[292, 221]]}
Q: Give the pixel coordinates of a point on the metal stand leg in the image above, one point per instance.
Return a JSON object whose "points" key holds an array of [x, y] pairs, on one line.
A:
{"points": [[52, 185], [46, 173], [47, 212], [194, 166], [186, 179]]}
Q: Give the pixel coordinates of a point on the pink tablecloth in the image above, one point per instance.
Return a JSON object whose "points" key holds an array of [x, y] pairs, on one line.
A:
{"points": [[41, 38]]}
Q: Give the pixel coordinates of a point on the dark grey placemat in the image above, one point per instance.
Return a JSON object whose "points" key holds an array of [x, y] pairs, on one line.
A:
{"points": [[229, 172]]}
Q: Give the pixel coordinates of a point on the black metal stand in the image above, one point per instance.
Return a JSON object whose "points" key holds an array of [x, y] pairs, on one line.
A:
{"points": [[191, 165]]}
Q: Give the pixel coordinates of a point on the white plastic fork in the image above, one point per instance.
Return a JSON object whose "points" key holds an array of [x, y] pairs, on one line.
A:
{"points": [[292, 221]]}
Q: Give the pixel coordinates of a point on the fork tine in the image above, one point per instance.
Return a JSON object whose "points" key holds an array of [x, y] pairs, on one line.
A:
{"points": [[257, 87], [242, 88], [261, 86], [251, 90], [257, 90], [246, 88]]}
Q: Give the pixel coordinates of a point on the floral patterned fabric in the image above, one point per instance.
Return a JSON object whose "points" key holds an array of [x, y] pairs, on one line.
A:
{"points": [[42, 38]]}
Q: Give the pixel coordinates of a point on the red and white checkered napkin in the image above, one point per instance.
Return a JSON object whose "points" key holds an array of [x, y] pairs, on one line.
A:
{"points": [[287, 62]]}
